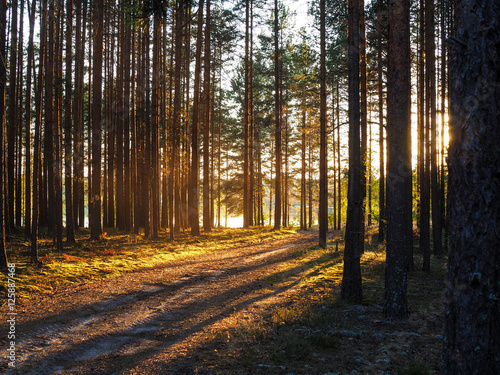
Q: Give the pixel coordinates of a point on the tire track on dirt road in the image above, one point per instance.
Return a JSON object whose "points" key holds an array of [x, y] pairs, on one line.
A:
{"points": [[114, 326]]}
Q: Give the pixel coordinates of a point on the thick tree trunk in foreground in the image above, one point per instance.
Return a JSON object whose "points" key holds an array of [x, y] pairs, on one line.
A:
{"points": [[399, 160], [472, 324], [351, 280]]}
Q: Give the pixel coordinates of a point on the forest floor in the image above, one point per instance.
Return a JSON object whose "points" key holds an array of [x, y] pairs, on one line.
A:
{"points": [[267, 303]]}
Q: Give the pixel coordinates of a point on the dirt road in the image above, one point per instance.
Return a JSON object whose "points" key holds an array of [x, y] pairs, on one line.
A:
{"points": [[153, 321]]}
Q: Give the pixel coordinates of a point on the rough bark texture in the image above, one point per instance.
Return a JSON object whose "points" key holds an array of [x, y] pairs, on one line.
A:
{"points": [[351, 280], [399, 159], [472, 324]]}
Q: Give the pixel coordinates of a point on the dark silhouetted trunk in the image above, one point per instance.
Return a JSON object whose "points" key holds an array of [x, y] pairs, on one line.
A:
{"points": [[3, 133], [95, 203], [398, 160], [472, 327], [351, 280], [68, 125], [323, 154], [193, 203], [207, 222], [277, 119], [381, 220]]}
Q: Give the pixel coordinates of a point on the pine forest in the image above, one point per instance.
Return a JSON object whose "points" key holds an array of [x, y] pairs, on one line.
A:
{"points": [[293, 180]]}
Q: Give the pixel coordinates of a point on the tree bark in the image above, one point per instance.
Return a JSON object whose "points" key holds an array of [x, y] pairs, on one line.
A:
{"points": [[277, 119], [28, 191], [207, 222], [430, 59], [472, 327], [68, 125], [323, 162], [381, 221], [12, 125], [3, 79], [351, 280], [399, 160], [194, 216], [95, 204]]}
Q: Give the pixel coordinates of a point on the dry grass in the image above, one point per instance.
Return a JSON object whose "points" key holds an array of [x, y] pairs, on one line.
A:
{"points": [[313, 331], [115, 254]]}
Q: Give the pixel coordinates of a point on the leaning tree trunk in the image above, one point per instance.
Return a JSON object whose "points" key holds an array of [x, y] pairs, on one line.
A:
{"points": [[472, 324]]}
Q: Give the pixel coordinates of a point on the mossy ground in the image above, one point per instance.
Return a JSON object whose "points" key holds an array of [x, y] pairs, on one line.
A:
{"points": [[115, 254]]}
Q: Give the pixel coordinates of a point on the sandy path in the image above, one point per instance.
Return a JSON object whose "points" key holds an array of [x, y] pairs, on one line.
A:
{"points": [[146, 322]]}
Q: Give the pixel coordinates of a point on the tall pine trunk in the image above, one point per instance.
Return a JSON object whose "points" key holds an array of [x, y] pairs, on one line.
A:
{"points": [[398, 160], [381, 221], [351, 280], [3, 79], [207, 222], [68, 125], [28, 191], [472, 327], [193, 198], [323, 154], [277, 119], [95, 203]]}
